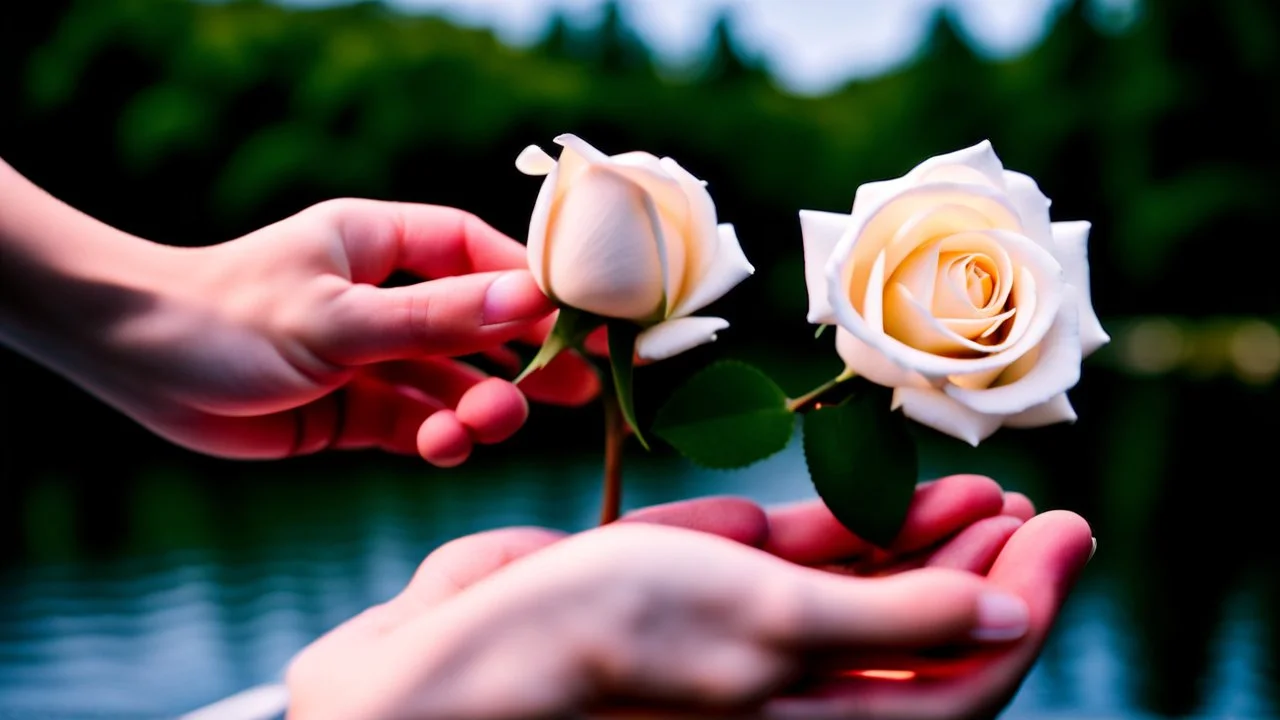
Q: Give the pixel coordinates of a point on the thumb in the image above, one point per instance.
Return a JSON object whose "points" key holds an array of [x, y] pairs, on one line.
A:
{"points": [[452, 316], [919, 608], [460, 563]]}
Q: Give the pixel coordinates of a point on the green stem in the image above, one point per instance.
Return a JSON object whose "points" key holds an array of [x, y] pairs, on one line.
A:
{"points": [[810, 400]]}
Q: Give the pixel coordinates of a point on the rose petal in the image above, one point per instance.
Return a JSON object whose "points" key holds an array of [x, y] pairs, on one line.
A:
{"points": [[702, 239], [728, 268], [935, 409], [645, 170], [918, 273], [1055, 410], [821, 231], [533, 160], [536, 244], [873, 365], [604, 247], [981, 157], [1072, 239], [673, 337], [976, 381], [985, 244], [873, 230], [1038, 265], [577, 146], [1056, 369], [975, 328], [1033, 208]]}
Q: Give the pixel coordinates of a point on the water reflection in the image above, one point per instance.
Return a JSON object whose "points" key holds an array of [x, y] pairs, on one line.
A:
{"points": [[180, 587]]}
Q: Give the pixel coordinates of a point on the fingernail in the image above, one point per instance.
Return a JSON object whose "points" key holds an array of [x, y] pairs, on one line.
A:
{"points": [[1001, 617], [1094, 550], [514, 296]]}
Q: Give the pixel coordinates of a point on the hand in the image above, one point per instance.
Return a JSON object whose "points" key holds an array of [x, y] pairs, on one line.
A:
{"points": [[1038, 560], [637, 613], [281, 342]]}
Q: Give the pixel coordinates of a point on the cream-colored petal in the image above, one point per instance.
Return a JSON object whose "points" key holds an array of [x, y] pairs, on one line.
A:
{"points": [[820, 232], [673, 337], [911, 323], [667, 194], [1055, 410], [702, 239], [1033, 208], [873, 365], [977, 328], [1072, 239], [935, 409], [976, 381], [1056, 370], [1040, 273], [728, 268], [579, 147], [981, 157], [987, 245], [876, 229], [603, 248], [873, 303], [918, 273], [536, 244], [533, 160]]}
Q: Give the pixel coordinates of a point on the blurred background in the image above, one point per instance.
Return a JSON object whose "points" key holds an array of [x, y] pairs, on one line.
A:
{"points": [[140, 580]]}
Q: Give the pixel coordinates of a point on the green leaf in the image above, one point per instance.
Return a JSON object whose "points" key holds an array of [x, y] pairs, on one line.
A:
{"points": [[571, 328], [622, 351], [729, 415], [863, 463], [821, 329]]}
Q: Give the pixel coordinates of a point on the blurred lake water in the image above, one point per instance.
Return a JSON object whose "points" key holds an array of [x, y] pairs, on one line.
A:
{"points": [[215, 583]]}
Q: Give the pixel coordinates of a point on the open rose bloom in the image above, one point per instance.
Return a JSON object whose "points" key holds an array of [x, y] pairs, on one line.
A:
{"points": [[634, 237], [952, 286]]}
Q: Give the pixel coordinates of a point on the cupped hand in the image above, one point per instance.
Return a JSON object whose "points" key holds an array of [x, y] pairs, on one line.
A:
{"points": [[699, 605], [283, 343], [1038, 558]]}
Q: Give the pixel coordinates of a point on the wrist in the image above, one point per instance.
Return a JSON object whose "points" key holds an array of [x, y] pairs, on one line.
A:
{"points": [[67, 280]]}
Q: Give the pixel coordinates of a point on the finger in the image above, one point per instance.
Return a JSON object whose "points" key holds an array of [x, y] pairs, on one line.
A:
{"points": [[597, 343], [1041, 563], [431, 241], [443, 440], [450, 316], [492, 411], [976, 547], [458, 564], [538, 333], [973, 550], [737, 519], [1018, 505], [924, 607], [808, 534], [568, 381], [441, 381], [377, 414], [364, 413]]}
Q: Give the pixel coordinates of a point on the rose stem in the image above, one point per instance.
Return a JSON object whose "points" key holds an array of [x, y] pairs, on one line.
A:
{"points": [[806, 401], [615, 437]]}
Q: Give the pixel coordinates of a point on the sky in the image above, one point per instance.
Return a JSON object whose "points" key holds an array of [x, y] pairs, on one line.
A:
{"points": [[811, 46]]}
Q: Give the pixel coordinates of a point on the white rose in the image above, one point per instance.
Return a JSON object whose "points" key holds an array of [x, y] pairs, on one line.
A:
{"points": [[634, 237], [952, 286]]}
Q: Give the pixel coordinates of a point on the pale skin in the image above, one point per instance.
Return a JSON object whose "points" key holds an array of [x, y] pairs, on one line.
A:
{"points": [[281, 342], [712, 607]]}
